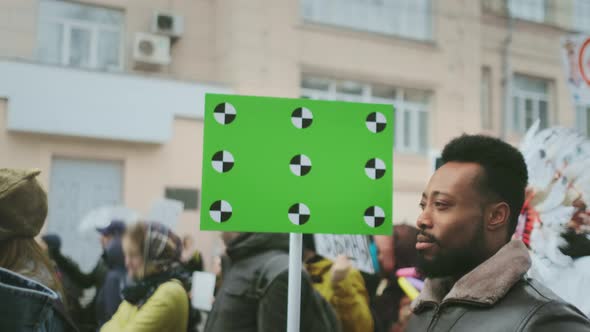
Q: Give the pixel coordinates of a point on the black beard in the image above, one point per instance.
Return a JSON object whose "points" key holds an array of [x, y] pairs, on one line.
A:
{"points": [[454, 262]]}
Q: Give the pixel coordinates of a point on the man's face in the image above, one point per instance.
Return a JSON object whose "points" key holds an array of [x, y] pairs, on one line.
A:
{"points": [[451, 238]]}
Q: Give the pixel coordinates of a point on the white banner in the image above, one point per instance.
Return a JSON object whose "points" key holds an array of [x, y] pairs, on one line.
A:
{"points": [[356, 247], [166, 211], [575, 52]]}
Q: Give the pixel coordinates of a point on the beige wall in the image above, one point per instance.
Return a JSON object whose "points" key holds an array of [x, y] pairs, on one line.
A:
{"points": [[193, 54], [147, 170], [535, 52]]}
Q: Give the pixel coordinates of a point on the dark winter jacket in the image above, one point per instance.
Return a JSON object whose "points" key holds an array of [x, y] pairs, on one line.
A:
{"points": [[495, 296], [238, 306], [83, 280], [29, 306], [109, 296]]}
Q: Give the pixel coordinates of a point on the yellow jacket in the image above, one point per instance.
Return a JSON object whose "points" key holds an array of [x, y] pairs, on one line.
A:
{"points": [[166, 310], [349, 297]]}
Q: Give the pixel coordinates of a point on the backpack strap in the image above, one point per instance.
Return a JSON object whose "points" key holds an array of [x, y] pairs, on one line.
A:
{"points": [[272, 268], [324, 316]]}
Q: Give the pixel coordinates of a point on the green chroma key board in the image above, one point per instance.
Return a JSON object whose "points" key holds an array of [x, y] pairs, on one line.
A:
{"points": [[297, 166]]}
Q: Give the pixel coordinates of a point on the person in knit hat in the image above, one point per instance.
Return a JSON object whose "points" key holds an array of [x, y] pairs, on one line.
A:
{"points": [[27, 280], [23, 209]]}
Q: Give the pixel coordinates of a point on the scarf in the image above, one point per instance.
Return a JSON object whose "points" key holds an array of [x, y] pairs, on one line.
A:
{"points": [[137, 293], [162, 259]]}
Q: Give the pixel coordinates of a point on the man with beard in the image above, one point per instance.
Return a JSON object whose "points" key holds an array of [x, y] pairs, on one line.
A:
{"points": [[475, 273]]}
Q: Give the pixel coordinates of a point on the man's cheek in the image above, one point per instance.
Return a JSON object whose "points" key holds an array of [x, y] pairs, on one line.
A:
{"points": [[451, 237]]}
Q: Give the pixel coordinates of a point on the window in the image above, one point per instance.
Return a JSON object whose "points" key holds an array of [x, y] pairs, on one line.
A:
{"points": [[583, 119], [411, 132], [80, 35], [531, 10], [486, 98], [407, 18], [188, 196], [530, 100], [582, 15]]}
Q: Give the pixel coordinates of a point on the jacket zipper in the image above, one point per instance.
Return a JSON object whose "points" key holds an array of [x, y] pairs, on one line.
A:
{"points": [[434, 318]]}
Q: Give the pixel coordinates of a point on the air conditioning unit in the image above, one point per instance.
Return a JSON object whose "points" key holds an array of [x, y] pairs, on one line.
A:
{"points": [[167, 24], [152, 49]]}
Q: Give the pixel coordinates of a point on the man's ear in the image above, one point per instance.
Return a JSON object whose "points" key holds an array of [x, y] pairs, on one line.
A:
{"points": [[497, 216]]}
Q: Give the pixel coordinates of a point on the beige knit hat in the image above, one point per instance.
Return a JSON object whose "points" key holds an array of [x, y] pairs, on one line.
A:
{"points": [[23, 203]]}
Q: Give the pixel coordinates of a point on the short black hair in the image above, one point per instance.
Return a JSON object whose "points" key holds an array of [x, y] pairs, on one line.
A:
{"points": [[505, 172]]}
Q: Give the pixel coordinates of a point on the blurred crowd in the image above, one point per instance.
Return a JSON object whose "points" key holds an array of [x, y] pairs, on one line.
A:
{"points": [[143, 279]]}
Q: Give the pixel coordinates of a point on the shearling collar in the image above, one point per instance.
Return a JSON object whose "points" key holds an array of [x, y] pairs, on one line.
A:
{"points": [[485, 284]]}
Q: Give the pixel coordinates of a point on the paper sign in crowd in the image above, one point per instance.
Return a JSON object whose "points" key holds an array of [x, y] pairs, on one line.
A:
{"points": [[297, 166], [356, 247]]}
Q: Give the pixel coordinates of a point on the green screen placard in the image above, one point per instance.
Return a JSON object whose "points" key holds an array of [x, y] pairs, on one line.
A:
{"points": [[297, 165]]}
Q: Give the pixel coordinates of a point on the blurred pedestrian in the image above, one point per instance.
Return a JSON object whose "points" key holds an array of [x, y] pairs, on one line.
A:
{"points": [[191, 256], [109, 296], [93, 314], [51, 244], [253, 292], [192, 261], [394, 253], [156, 297], [30, 292], [341, 285]]}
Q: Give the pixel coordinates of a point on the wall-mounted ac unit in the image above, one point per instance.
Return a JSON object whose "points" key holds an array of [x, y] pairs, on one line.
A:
{"points": [[152, 49], [167, 24]]}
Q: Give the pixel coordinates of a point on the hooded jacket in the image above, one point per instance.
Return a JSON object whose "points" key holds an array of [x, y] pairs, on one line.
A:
{"points": [[109, 296], [238, 306]]}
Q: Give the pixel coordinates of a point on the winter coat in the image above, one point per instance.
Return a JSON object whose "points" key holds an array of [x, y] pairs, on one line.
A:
{"points": [[28, 306], [495, 296], [166, 310], [349, 297], [239, 306], [109, 296]]}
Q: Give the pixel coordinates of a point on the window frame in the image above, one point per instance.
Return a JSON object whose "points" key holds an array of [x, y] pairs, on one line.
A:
{"points": [[336, 12], [402, 109], [94, 28], [581, 15], [521, 10], [519, 98], [582, 117]]}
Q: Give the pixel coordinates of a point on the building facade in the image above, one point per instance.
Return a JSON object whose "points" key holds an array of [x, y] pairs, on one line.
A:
{"points": [[106, 97]]}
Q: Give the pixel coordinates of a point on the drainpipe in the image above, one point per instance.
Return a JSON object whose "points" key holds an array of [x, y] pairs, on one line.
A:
{"points": [[507, 76]]}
